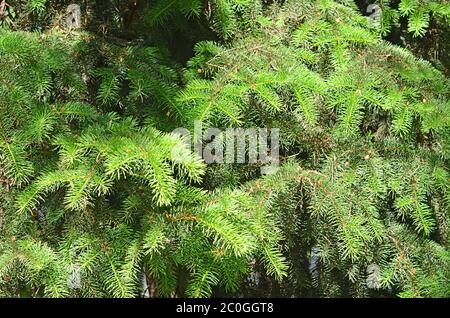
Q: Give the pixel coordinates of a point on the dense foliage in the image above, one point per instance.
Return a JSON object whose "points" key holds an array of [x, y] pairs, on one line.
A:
{"points": [[98, 198]]}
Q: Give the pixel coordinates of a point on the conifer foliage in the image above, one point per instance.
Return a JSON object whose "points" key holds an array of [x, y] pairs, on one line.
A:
{"points": [[418, 14], [98, 198]]}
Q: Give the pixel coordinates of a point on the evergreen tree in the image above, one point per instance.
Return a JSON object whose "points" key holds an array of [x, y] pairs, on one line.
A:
{"points": [[97, 195]]}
